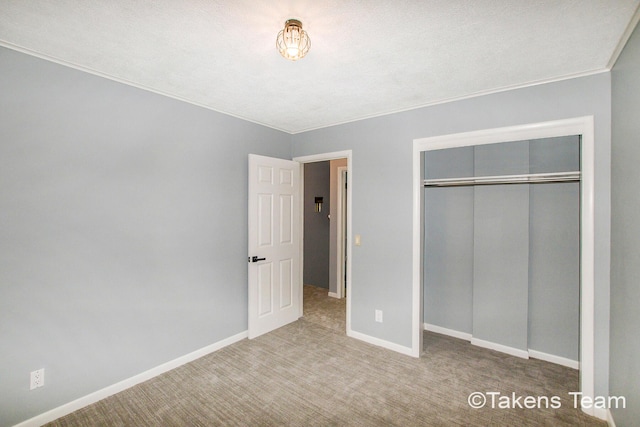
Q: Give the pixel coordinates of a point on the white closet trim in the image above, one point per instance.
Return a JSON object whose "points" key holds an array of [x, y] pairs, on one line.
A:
{"points": [[583, 126]]}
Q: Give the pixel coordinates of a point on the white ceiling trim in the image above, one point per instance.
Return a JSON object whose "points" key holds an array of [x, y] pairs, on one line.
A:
{"points": [[85, 69], [462, 98], [625, 38], [430, 104]]}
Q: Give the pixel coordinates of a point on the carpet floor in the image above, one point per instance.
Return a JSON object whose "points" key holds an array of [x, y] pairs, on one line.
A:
{"points": [[309, 373], [323, 310]]}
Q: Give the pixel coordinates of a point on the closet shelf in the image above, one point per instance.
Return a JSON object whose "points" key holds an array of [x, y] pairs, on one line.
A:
{"points": [[504, 179]]}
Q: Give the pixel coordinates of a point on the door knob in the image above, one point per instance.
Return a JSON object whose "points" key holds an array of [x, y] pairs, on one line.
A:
{"points": [[256, 259]]}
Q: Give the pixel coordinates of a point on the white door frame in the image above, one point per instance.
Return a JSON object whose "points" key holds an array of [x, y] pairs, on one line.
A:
{"points": [[583, 126], [347, 154], [341, 232]]}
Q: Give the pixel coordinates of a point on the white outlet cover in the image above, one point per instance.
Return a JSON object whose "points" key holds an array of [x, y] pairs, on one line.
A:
{"points": [[36, 379]]}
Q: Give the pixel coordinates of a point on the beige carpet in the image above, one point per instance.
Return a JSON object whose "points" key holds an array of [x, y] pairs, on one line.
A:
{"points": [[309, 374], [323, 310]]}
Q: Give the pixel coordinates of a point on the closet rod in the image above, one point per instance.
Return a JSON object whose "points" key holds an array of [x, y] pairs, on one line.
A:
{"points": [[504, 179]]}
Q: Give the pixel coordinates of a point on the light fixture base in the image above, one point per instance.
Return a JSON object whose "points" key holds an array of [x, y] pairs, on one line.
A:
{"points": [[295, 22]]}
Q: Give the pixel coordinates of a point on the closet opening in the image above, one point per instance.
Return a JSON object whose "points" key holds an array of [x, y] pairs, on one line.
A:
{"points": [[498, 207], [502, 246]]}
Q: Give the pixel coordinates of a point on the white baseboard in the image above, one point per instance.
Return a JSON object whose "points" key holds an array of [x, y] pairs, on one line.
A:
{"points": [[475, 341], [334, 295], [602, 413], [499, 347], [381, 343], [563, 361], [445, 331], [80, 403], [573, 364], [609, 419]]}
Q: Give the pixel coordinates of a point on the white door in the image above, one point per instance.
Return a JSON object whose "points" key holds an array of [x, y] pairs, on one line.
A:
{"points": [[274, 246]]}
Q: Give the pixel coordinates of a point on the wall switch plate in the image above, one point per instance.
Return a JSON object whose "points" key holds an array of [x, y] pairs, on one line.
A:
{"points": [[379, 316], [357, 240], [37, 379]]}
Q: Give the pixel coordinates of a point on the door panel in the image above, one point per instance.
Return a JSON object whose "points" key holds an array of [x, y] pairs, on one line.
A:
{"points": [[265, 220], [286, 219], [274, 244], [286, 283], [265, 289]]}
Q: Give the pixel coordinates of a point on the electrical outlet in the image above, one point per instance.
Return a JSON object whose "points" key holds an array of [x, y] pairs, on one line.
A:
{"points": [[379, 316], [37, 379]]}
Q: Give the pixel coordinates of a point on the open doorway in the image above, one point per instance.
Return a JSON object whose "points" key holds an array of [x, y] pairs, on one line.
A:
{"points": [[326, 213], [324, 230]]}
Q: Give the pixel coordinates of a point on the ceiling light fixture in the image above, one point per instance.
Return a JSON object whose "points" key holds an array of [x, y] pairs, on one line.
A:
{"points": [[293, 42]]}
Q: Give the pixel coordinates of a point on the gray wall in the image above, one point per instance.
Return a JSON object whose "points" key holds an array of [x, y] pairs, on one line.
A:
{"points": [[501, 264], [554, 251], [381, 183], [554, 269], [625, 229], [123, 230], [448, 242], [316, 224], [501, 247]]}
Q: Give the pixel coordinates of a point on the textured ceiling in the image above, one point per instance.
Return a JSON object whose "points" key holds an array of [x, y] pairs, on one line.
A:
{"points": [[368, 57]]}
